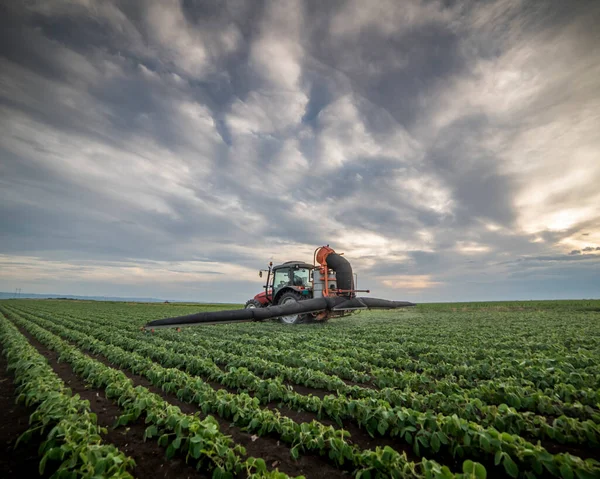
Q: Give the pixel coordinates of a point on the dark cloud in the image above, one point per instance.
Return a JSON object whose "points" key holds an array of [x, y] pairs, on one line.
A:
{"points": [[183, 137], [473, 172], [573, 256]]}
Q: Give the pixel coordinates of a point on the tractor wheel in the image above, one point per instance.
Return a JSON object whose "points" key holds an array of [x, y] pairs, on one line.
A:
{"points": [[291, 297], [252, 303]]}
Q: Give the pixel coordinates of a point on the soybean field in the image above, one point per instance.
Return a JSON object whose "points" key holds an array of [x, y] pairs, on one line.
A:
{"points": [[457, 390]]}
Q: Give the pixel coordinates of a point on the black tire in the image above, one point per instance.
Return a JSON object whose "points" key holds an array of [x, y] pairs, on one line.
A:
{"points": [[252, 303], [289, 296]]}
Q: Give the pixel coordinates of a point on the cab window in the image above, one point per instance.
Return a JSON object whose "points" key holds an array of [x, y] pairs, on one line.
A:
{"points": [[301, 277], [281, 278]]}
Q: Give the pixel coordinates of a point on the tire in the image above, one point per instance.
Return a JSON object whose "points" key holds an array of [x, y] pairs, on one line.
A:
{"points": [[252, 303], [288, 297]]}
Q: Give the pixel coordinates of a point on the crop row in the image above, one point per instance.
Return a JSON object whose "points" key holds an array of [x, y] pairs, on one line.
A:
{"points": [[579, 370], [425, 430], [199, 440], [379, 361], [246, 412], [503, 418], [374, 348], [73, 442], [546, 378], [448, 397], [363, 366], [394, 344]]}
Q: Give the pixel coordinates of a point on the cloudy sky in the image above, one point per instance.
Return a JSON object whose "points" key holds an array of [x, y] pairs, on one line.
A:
{"points": [[172, 148]]}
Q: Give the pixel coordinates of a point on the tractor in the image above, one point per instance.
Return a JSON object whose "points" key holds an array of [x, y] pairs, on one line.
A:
{"points": [[297, 292], [286, 283]]}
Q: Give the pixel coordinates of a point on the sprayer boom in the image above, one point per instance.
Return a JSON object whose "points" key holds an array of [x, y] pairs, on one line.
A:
{"points": [[297, 292]]}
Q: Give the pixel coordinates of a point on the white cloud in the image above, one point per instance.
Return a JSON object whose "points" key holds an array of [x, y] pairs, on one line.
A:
{"points": [[36, 269], [276, 54], [209, 156], [471, 247], [275, 57], [386, 16], [178, 41], [538, 97], [345, 136], [267, 113], [416, 282], [427, 191]]}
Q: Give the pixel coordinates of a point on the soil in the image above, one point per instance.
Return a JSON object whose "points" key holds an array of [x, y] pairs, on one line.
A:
{"points": [[359, 437], [23, 460], [150, 457], [305, 390]]}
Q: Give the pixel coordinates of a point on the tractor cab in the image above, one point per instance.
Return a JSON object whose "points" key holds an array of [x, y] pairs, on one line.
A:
{"points": [[286, 281], [292, 274]]}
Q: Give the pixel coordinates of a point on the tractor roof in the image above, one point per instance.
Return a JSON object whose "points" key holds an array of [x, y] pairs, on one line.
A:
{"points": [[299, 264]]}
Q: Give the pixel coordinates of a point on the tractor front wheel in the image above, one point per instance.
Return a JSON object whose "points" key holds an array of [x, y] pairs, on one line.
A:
{"points": [[252, 303], [287, 298]]}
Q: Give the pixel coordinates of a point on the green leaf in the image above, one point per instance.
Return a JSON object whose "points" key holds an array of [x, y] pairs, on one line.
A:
{"points": [[170, 451], [195, 450], [260, 465], [480, 472], [484, 443], [581, 474], [510, 467], [163, 440], [100, 468], [566, 472], [435, 443], [151, 431], [42, 466], [294, 452], [474, 470], [468, 466]]}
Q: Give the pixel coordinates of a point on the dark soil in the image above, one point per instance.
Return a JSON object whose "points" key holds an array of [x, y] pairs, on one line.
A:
{"points": [[149, 456], [323, 468], [590, 452], [305, 390], [23, 460]]}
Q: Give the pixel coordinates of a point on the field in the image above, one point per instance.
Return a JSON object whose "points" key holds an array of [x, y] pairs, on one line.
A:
{"points": [[442, 390]]}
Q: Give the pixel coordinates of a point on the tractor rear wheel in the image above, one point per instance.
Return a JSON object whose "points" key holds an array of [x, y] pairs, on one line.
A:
{"points": [[287, 298], [252, 303]]}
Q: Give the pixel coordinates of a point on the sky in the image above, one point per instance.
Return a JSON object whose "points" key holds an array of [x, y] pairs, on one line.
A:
{"points": [[171, 149]]}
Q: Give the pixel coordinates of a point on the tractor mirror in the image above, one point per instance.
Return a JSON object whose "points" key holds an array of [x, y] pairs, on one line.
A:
{"points": [[260, 274]]}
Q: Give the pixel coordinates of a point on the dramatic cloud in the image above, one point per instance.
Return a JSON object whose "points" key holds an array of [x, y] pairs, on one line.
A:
{"points": [[172, 148]]}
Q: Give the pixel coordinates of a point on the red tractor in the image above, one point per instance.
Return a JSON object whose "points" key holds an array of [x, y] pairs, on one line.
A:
{"points": [[286, 283], [296, 292], [294, 281]]}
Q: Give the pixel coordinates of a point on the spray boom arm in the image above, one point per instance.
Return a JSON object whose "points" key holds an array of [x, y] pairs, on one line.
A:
{"points": [[334, 297]]}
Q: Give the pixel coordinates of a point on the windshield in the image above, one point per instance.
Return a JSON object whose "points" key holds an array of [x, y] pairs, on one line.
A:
{"points": [[301, 277]]}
